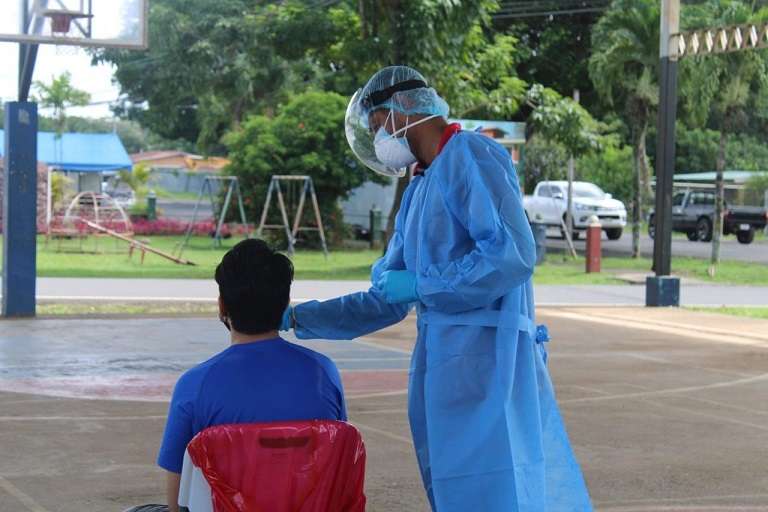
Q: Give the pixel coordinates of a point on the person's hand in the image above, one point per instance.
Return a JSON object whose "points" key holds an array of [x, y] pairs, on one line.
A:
{"points": [[287, 321], [398, 286]]}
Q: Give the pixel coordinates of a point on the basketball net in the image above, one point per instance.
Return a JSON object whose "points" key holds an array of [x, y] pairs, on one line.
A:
{"points": [[60, 27]]}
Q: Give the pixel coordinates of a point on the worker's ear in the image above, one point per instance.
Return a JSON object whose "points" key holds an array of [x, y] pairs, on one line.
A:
{"points": [[223, 316]]}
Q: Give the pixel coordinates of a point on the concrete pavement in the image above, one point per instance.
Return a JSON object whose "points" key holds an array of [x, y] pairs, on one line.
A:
{"points": [[203, 290], [665, 408]]}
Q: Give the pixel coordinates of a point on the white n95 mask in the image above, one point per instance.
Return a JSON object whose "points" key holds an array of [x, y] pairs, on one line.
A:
{"points": [[394, 151]]}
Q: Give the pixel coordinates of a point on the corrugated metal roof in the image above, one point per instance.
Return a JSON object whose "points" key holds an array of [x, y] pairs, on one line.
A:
{"points": [[82, 152], [728, 176]]}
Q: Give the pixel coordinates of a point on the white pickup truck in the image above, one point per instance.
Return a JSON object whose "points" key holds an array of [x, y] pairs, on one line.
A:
{"points": [[549, 202]]}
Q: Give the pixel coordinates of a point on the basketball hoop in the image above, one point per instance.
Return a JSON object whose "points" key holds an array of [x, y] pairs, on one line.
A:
{"points": [[61, 20]]}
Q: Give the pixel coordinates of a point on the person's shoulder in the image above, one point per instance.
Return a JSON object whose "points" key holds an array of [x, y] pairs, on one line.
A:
{"points": [[472, 155], [316, 358], [477, 143], [191, 380]]}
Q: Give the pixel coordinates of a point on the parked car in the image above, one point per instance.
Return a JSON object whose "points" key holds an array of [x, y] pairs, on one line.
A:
{"points": [[693, 213], [549, 203]]}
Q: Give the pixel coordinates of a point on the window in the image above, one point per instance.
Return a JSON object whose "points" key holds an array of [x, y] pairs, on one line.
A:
{"points": [[544, 191], [678, 199], [587, 190]]}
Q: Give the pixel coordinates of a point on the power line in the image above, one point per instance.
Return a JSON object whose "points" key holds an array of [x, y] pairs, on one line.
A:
{"points": [[544, 8]]}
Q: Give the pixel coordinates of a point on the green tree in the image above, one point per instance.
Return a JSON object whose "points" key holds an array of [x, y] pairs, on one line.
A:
{"points": [[624, 69], [211, 64], [543, 160], [555, 52], [697, 150], [725, 88], [565, 122], [59, 96], [611, 169], [757, 188], [138, 180], [305, 137]]}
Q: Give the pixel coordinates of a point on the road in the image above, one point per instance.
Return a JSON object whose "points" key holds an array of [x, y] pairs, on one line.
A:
{"points": [[202, 290], [730, 249], [183, 210]]}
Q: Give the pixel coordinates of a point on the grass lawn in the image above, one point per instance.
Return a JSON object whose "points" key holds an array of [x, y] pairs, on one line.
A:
{"points": [[113, 261], [120, 309], [748, 312], [555, 271]]}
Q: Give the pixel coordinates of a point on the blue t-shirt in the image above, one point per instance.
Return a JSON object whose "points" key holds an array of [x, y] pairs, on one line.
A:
{"points": [[263, 381]]}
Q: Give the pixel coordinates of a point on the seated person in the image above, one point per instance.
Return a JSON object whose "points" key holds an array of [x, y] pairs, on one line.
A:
{"points": [[259, 377]]}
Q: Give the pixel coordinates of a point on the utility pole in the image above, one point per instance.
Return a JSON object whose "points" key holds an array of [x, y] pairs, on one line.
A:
{"points": [[663, 289], [571, 177]]}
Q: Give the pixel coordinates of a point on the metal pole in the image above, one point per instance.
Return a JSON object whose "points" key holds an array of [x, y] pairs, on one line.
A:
{"points": [[220, 224], [571, 173], [19, 209], [665, 161], [265, 210]]}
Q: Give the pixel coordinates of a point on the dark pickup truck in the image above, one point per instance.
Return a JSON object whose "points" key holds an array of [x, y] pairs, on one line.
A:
{"points": [[693, 213]]}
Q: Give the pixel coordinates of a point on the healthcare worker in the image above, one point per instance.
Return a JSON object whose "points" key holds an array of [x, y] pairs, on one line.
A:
{"points": [[484, 420]]}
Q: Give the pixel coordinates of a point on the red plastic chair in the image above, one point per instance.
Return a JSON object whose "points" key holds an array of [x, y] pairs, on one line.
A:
{"points": [[306, 466]]}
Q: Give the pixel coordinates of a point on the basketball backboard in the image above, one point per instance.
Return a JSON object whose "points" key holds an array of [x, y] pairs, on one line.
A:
{"points": [[101, 23]]}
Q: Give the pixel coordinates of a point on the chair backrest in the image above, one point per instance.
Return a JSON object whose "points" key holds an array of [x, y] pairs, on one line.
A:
{"points": [[300, 466]]}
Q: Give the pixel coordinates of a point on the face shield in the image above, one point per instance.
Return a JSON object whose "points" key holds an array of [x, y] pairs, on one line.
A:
{"points": [[361, 136], [393, 89]]}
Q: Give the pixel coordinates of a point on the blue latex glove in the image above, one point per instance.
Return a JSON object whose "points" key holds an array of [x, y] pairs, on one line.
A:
{"points": [[398, 286], [285, 324]]}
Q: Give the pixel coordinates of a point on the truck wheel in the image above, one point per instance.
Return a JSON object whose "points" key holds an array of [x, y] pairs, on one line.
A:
{"points": [[574, 233], [651, 227], [692, 235], [704, 229], [745, 237], [613, 233]]}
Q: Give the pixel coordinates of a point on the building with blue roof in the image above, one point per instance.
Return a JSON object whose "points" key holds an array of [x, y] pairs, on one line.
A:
{"points": [[86, 157]]}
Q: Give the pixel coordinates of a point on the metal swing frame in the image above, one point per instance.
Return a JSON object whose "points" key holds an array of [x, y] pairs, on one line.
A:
{"points": [[291, 230], [233, 188]]}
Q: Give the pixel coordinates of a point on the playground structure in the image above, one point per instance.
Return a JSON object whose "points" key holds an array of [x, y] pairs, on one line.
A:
{"points": [[91, 214], [233, 189], [298, 187]]}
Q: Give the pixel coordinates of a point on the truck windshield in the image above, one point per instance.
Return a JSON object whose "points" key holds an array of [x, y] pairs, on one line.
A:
{"points": [[678, 199], [587, 190]]}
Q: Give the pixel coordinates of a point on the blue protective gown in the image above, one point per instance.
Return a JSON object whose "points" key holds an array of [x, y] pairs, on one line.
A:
{"points": [[485, 424]]}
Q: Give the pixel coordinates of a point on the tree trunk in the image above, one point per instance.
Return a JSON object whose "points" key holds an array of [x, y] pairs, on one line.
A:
{"points": [[717, 229], [569, 205], [363, 21], [639, 171]]}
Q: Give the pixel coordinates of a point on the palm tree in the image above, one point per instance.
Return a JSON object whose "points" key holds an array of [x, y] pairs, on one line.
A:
{"points": [[723, 89], [624, 70], [60, 95]]}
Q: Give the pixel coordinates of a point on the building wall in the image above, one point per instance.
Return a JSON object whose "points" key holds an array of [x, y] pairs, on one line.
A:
{"points": [[42, 193]]}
